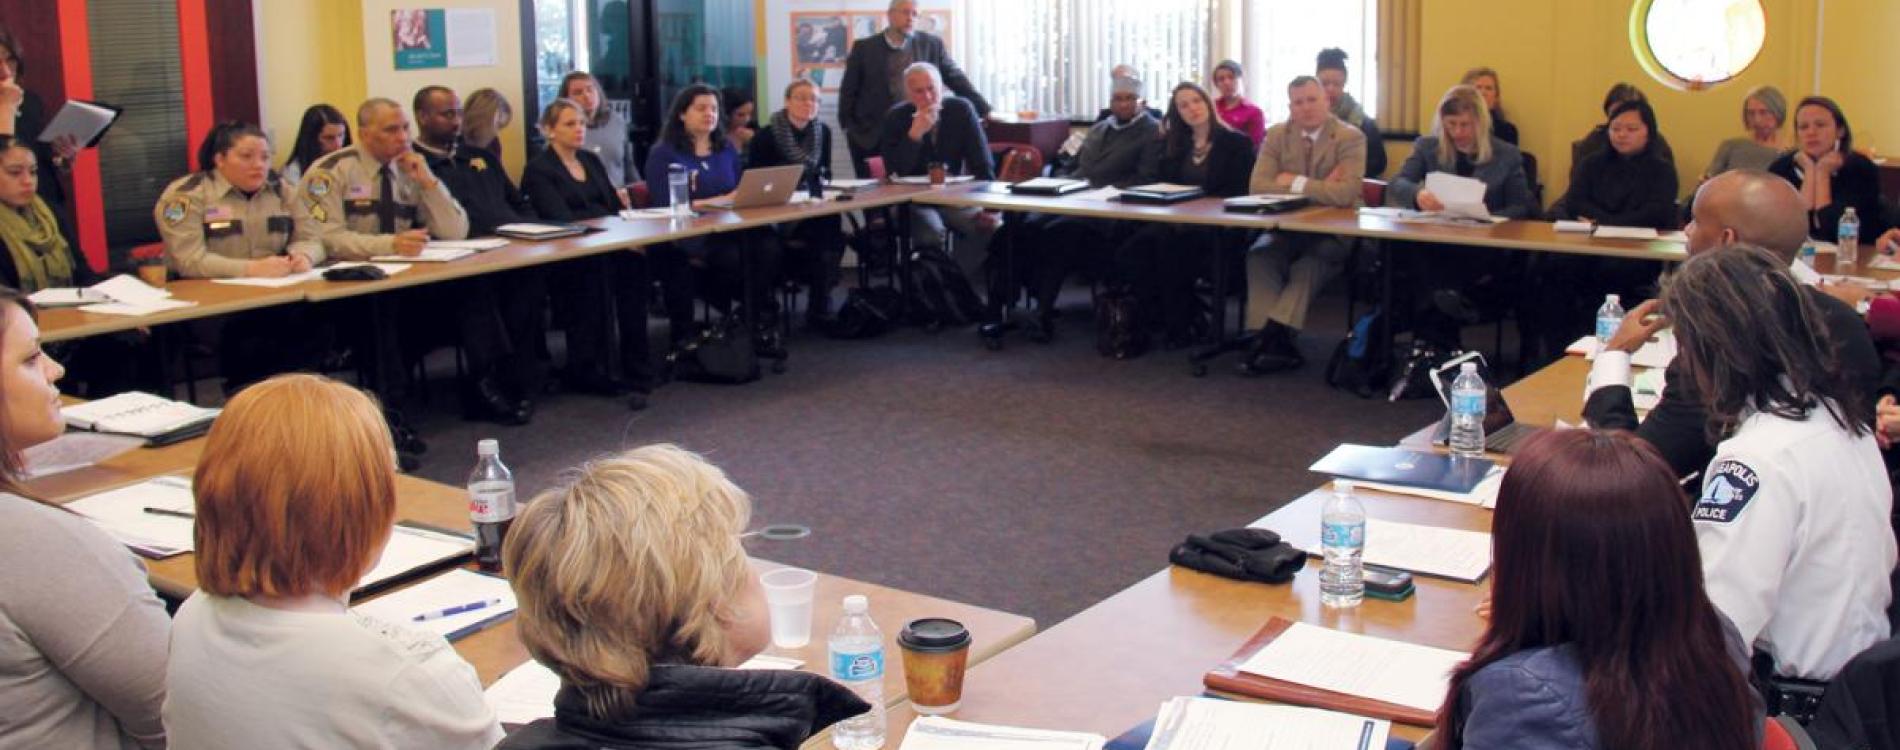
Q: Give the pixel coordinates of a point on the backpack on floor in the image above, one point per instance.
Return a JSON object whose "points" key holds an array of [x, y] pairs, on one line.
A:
{"points": [[866, 313], [724, 353], [939, 292], [1414, 378], [1119, 333], [1358, 364]]}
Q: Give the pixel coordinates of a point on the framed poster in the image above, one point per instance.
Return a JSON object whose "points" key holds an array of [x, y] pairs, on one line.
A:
{"points": [[420, 38]]}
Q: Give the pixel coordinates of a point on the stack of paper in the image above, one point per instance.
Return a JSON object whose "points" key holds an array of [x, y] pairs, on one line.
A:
{"points": [[141, 414], [152, 517], [1402, 674], [431, 253], [527, 231], [66, 296], [1463, 196], [939, 733], [129, 296], [483, 243], [635, 214], [1624, 233], [925, 179], [389, 269], [412, 548], [1571, 225], [1193, 723], [451, 589], [848, 185], [1427, 550], [1484, 495], [526, 693]]}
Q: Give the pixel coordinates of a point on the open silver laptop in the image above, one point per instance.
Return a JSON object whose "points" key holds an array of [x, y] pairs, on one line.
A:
{"points": [[765, 186]]}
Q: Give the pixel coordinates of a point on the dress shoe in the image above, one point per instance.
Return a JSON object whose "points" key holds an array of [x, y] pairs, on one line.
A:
{"points": [[1275, 352], [486, 400], [402, 435]]}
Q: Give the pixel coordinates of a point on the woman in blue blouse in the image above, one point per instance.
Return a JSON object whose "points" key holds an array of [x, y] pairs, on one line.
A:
{"points": [[692, 140]]}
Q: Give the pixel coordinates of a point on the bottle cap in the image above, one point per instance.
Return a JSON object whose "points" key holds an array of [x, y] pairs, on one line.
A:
{"points": [[1617, 298], [488, 447], [1343, 486], [856, 604], [1468, 367]]}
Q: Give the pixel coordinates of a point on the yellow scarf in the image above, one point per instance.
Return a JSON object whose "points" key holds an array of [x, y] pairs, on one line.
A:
{"points": [[38, 251]]}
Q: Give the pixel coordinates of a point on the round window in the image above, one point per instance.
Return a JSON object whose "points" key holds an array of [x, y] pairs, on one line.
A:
{"points": [[1694, 44]]}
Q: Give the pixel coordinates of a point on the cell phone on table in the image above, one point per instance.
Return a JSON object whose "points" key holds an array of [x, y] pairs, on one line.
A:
{"points": [[1386, 583]]}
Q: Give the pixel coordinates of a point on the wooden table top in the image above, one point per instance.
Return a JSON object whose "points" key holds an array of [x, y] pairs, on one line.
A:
{"points": [[1520, 234], [62, 323], [995, 196]]}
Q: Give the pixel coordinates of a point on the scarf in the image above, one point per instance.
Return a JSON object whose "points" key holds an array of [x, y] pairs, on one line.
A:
{"points": [[798, 148], [39, 253], [1349, 111]]}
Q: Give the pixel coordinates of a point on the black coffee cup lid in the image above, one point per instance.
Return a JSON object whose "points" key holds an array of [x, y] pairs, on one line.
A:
{"points": [[934, 634]]}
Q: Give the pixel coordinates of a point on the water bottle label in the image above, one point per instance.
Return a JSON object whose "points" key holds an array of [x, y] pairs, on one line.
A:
{"points": [[1343, 534], [1467, 403], [491, 502], [866, 665], [1606, 327]]}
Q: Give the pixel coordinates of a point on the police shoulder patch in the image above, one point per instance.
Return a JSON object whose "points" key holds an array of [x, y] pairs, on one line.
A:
{"points": [[175, 210], [319, 183], [1726, 492]]}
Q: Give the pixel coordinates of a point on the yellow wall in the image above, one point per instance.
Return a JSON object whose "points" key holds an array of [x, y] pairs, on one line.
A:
{"points": [[382, 79], [1557, 59], [309, 51]]}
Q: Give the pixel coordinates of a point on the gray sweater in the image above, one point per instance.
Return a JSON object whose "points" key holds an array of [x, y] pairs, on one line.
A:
{"points": [[82, 636], [609, 142], [873, 82], [1111, 155], [1506, 192]]}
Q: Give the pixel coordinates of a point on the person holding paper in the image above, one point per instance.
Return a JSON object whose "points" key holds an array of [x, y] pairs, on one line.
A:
{"points": [[82, 635], [1161, 261], [1314, 154], [23, 116], [648, 661], [1600, 634], [296, 499], [814, 247], [1451, 278]]}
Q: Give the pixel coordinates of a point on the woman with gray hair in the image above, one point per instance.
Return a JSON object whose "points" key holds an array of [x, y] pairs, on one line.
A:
{"points": [[1764, 110]]}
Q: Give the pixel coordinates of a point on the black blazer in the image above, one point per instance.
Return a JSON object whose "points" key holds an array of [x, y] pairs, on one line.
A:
{"points": [[958, 142], [475, 177], [764, 152], [557, 197], [1678, 426], [1229, 163], [1856, 184]]}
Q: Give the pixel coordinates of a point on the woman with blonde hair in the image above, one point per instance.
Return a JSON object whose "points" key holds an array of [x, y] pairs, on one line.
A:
{"points": [[634, 589], [295, 500], [82, 636], [1458, 284], [484, 116], [1485, 80]]}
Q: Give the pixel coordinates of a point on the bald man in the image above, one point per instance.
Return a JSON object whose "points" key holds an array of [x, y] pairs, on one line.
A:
{"points": [[1743, 206]]}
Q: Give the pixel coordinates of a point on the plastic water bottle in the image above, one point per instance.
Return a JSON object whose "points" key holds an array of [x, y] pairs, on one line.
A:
{"points": [[679, 191], [1609, 317], [1848, 240], [491, 503], [857, 662], [1342, 539], [1808, 253], [1467, 412]]}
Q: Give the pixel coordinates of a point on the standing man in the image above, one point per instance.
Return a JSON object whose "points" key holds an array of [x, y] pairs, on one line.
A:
{"points": [[1315, 155], [874, 79], [930, 129], [500, 315], [377, 197]]}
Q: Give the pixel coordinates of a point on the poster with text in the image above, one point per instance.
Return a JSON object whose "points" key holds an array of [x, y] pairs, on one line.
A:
{"points": [[419, 38]]}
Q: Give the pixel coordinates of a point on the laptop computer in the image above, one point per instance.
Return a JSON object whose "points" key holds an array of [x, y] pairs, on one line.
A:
{"points": [[763, 187], [1502, 432]]}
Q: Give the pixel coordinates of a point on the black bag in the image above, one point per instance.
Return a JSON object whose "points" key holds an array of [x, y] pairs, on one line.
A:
{"points": [[939, 292], [1118, 330], [866, 313], [1415, 376], [1359, 364], [723, 354]]}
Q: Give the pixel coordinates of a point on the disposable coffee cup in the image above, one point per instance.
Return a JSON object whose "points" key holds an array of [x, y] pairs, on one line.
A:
{"points": [[935, 652]]}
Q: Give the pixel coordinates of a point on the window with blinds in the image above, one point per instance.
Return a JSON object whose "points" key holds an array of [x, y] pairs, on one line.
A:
{"points": [[1283, 40], [1054, 56], [138, 70]]}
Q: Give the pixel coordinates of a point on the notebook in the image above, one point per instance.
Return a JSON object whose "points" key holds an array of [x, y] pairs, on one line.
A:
{"points": [[1049, 186], [1161, 192], [452, 588], [161, 421], [1201, 723], [1308, 665]]}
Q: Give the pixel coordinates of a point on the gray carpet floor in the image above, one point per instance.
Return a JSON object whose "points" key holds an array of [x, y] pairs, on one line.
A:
{"points": [[1038, 480]]}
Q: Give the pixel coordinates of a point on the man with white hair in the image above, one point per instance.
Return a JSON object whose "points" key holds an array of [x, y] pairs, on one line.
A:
{"points": [[932, 129], [874, 79]]}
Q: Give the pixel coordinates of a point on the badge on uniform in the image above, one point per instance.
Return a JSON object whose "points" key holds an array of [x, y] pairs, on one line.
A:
{"points": [[318, 184], [1731, 484], [175, 210], [479, 164]]}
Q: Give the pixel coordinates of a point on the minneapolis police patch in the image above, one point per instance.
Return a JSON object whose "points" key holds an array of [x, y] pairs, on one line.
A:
{"points": [[1731, 484]]}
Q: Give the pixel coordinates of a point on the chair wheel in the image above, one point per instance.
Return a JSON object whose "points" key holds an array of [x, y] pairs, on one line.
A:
{"points": [[1198, 370]]}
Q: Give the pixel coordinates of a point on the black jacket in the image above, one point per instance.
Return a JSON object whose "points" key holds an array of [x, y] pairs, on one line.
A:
{"points": [[1229, 164], [557, 197], [699, 708], [867, 91], [958, 141], [478, 182], [1678, 426], [765, 152], [1634, 191], [1855, 184], [1862, 702], [1598, 140]]}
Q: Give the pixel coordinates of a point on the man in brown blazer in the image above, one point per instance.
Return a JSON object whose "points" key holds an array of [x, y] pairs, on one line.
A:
{"points": [[1316, 155]]}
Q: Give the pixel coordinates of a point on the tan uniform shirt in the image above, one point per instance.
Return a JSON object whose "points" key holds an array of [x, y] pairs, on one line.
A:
{"points": [[1334, 164], [212, 230], [340, 201]]}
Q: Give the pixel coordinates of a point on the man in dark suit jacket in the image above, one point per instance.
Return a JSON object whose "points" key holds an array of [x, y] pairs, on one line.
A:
{"points": [[930, 128], [874, 79], [1735, 207]]}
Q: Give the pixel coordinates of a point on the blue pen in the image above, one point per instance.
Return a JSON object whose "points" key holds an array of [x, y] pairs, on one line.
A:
{"points": [[456, 610]]}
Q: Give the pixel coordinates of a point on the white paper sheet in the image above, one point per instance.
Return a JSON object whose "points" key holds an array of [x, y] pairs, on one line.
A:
{"points": [[940, 733], [429, 254], [1463, 196], [122, 514], [1109, 193], [453, 588], [526, 693], [1570, 225], [635, 214], [1384, 670], [1194, 723], [76, 450], [66, 296], [491, 243], [1657, 352], [135, 309], [470, 36], [1431, 550], [128, 289], [411, 548], [313, 274], [81, 120], [1624, 233], [925, 179], [850, 184], [135, 413]]}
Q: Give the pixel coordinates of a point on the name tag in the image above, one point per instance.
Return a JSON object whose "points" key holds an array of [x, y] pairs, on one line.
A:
{"points": [[219, 213], [356, 192]]}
